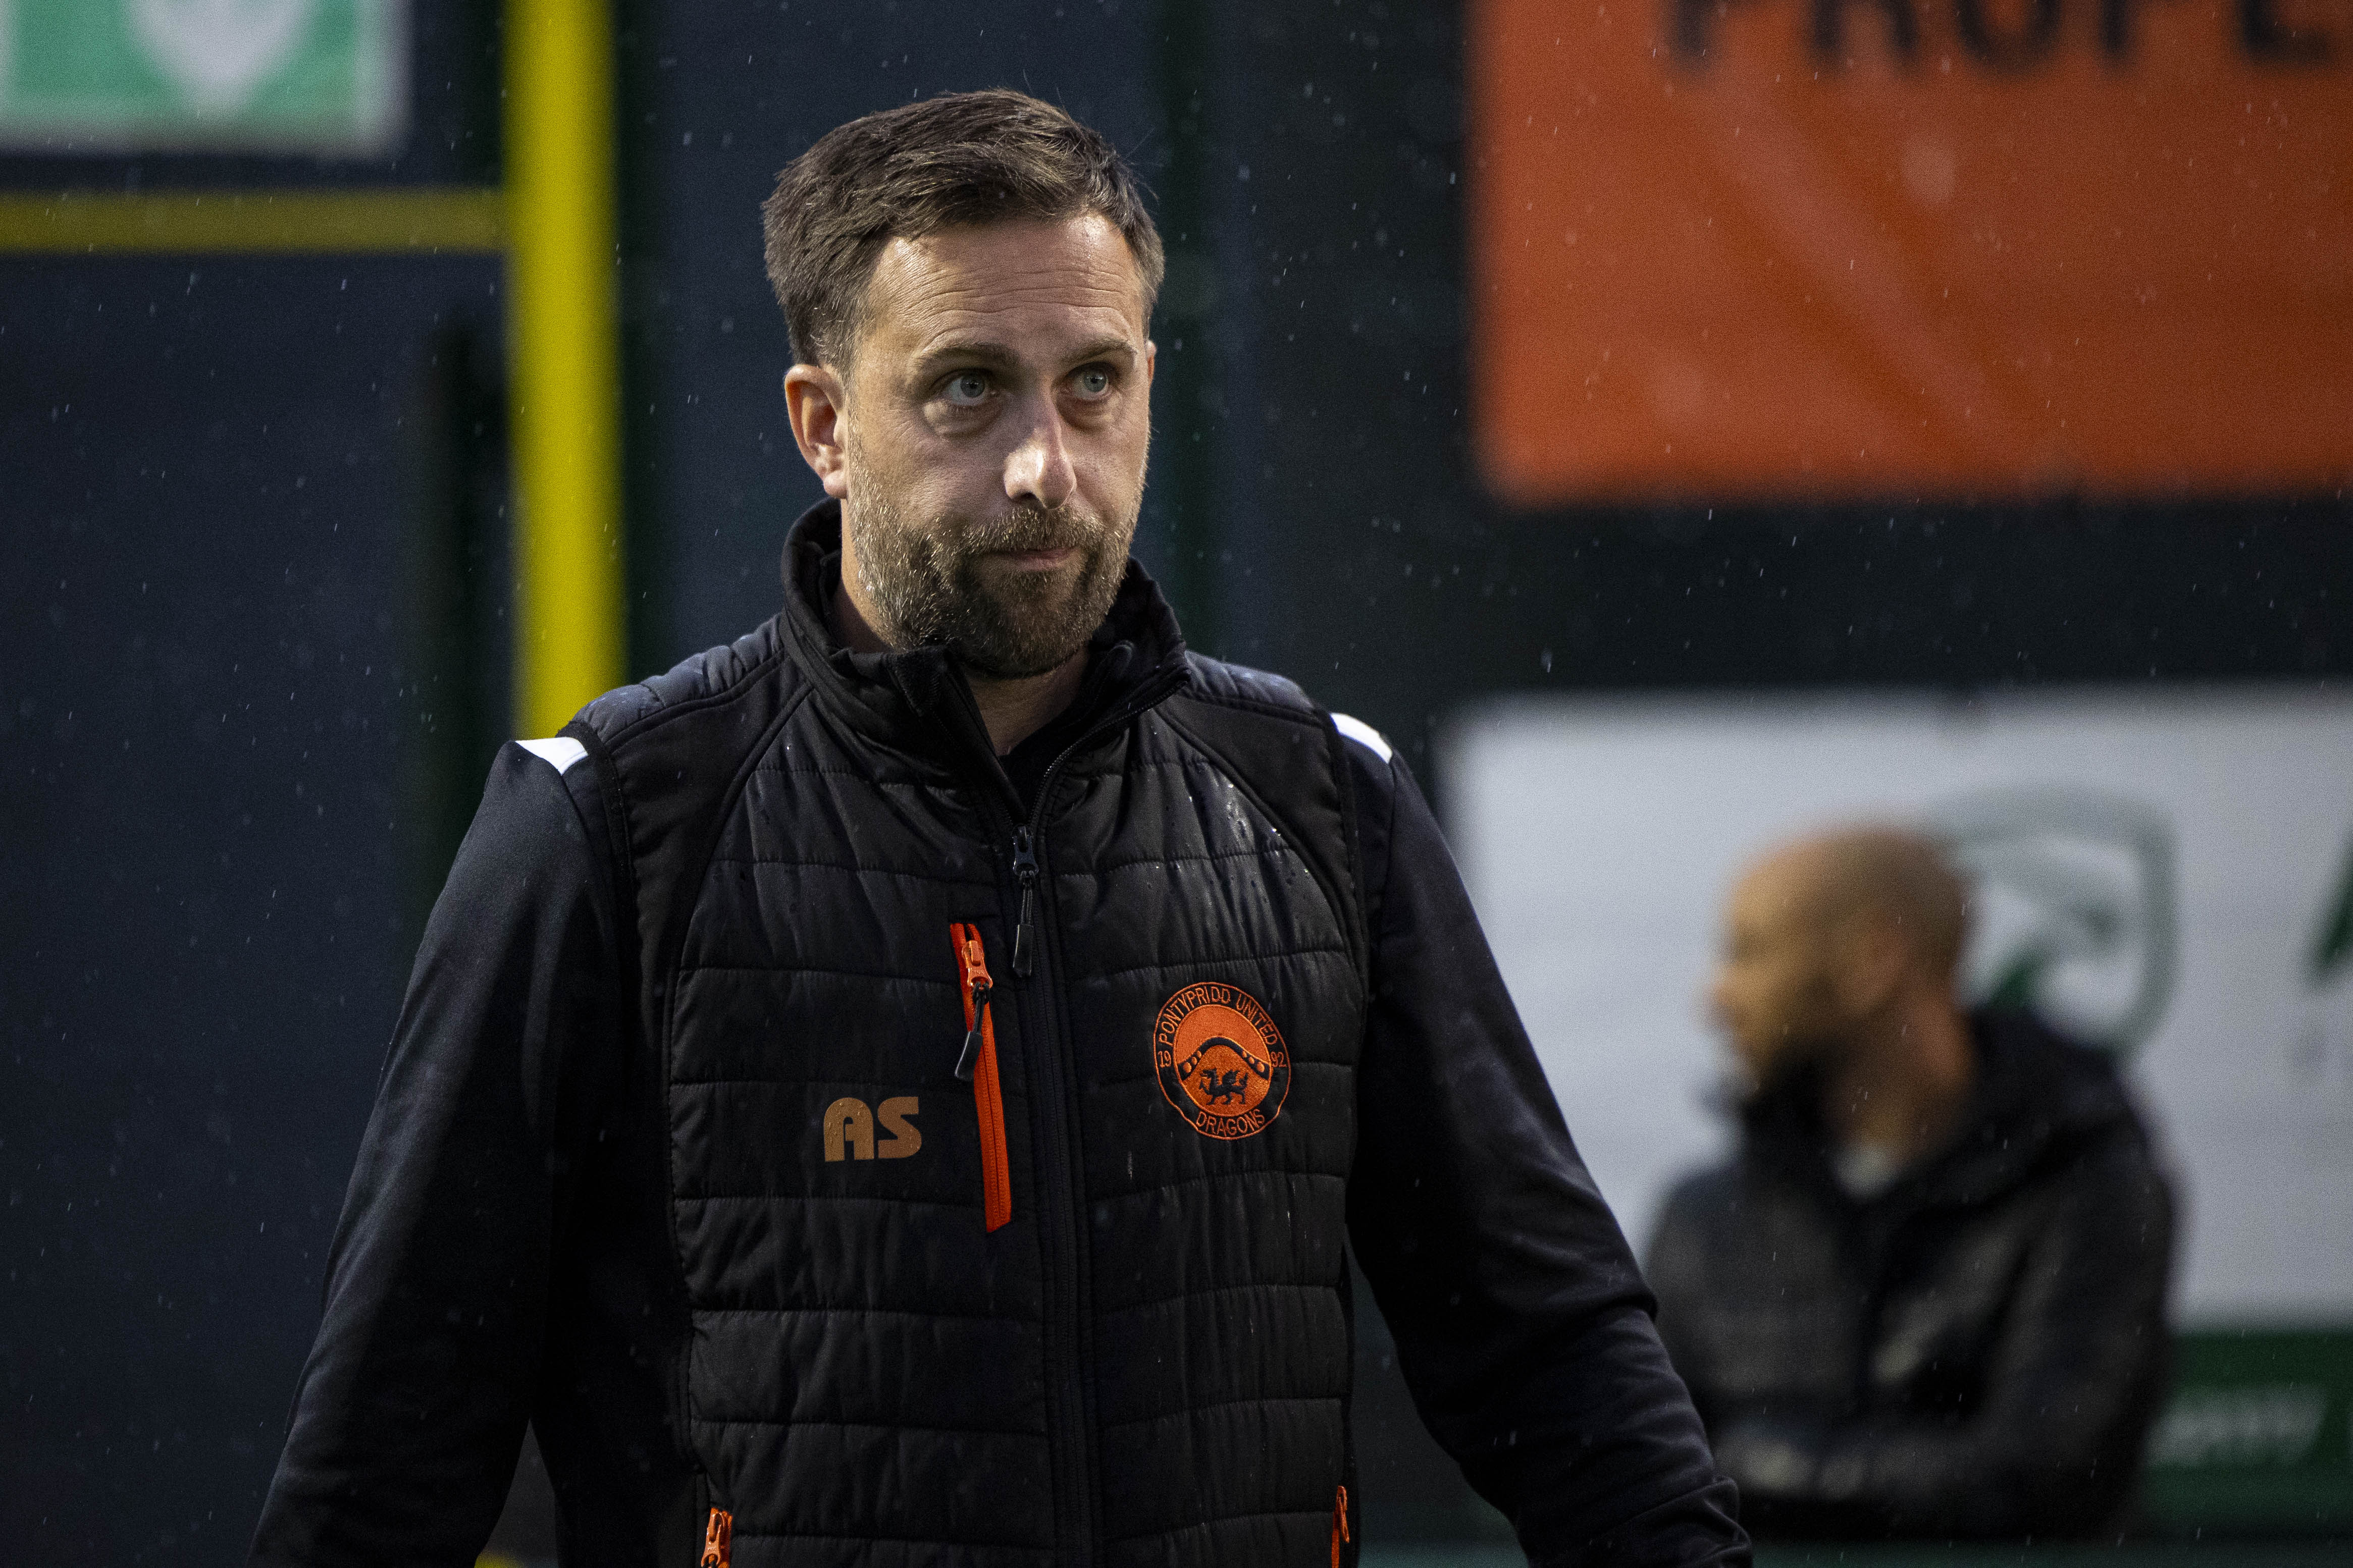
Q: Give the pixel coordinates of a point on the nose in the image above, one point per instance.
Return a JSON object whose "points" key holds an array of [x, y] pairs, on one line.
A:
{"points": [[1038, 469]]}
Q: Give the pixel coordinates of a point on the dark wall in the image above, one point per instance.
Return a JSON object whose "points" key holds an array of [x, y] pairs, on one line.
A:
{"points": [[249, 509], [211, 717]]}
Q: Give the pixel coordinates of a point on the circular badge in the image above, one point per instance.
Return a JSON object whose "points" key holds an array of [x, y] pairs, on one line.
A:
{"points": [[1222, 1061]]}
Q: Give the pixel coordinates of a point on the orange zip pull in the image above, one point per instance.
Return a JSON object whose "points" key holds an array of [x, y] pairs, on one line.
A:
{"points": [[718, 1539], [1339, 1523], [976, 987], [977, 1062]]}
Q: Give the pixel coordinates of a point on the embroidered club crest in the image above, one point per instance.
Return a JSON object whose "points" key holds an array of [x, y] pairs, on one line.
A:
{"points": [[1221, 1061]]}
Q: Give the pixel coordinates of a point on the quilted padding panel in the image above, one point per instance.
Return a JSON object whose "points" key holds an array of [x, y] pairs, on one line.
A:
{"points": [[867, 1383]]}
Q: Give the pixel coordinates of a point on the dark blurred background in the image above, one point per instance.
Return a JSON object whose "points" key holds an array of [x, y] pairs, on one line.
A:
{"points": [[254, 647]]}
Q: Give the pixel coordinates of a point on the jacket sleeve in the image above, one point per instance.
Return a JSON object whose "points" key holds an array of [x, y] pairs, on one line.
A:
{"points": [[412, 1405], [1523, 1326], [2074, 1383]]}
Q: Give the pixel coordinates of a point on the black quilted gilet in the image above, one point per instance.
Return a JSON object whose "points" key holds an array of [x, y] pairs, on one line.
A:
{"points": [[1148, 1362]]}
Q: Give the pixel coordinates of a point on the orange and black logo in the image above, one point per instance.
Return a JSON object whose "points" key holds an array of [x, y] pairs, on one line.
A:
{"points": [[1222, 1061]]}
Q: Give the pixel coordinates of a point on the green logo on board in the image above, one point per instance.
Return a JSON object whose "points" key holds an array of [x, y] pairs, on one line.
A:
{"points": [[2074, 907], [98, 75], [2332, 942]]}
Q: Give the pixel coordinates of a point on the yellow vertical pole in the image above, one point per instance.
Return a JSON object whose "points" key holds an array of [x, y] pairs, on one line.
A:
{"points": [[562, 329]]}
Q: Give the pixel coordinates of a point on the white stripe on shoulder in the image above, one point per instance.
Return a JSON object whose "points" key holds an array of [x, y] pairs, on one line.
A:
{"points": [[1363, 734], [559, 753]]}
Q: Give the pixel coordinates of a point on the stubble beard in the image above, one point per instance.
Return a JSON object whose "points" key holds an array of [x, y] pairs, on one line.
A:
{"points": [[926, 581], [1815, 1040]]}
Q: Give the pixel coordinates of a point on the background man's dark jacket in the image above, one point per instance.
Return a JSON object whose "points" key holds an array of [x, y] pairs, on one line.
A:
{"points": [[1978, 1350], [613, 1184]]}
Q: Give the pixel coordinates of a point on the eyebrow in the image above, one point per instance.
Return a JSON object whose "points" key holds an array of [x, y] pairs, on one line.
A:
{"points": [[990, 352]]}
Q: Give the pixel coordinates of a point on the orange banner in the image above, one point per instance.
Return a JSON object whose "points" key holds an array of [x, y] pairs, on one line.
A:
{"points": [[1760, 248]]}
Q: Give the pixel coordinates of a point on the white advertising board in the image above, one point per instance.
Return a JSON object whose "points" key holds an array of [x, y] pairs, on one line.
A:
{"points": [[2170, 874]]}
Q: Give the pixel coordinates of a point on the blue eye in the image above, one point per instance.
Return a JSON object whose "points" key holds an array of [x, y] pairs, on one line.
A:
{"points": [[965, 388], [1093, 381]]}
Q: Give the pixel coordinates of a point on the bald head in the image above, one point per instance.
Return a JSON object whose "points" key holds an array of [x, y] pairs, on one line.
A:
{"points": [[1884, 874], [1828, 934]]}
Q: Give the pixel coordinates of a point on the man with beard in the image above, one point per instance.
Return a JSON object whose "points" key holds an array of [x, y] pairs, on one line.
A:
{"points": [[902, 1088], [1926, 1297]]}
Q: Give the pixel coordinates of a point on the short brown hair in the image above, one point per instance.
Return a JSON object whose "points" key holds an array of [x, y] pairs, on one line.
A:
{"points": [[962, 158]]}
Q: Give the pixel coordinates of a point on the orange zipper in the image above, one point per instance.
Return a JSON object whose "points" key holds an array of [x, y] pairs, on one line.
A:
{"points": [[977, 1061], [1339, 1523], [718, 1539]]}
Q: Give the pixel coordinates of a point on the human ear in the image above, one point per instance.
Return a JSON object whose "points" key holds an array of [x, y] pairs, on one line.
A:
{"points": [[816, 406]]}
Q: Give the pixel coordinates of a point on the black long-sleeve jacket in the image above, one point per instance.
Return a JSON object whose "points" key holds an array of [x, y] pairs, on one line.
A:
{"points": [[1980, 1350], [796, 1113]]}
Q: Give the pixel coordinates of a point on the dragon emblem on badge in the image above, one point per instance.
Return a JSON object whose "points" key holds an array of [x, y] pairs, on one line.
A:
{"points": [[1220, 1059]]}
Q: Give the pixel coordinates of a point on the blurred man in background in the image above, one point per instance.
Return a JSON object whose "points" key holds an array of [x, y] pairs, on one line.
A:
{"points": [[1926, 1296]]}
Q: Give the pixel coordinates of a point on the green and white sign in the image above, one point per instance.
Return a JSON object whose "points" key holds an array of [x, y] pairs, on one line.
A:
{"points": [[109, 75], [2167, 872]]}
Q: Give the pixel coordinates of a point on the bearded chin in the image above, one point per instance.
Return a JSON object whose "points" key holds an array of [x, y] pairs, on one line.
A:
{"points": [[932, 595], [1034, 623]]}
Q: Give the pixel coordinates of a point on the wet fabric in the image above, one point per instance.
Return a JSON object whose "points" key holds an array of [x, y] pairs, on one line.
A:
{"points": [[1977, 1349], [673, 1160]]}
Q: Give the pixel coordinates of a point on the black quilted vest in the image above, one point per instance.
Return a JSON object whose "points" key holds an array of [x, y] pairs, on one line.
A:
{"points": [[1146, 1358]]}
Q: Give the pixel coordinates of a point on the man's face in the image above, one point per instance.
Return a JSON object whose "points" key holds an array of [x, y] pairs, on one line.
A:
{"points": [[1775, 993], [992, 440]]}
